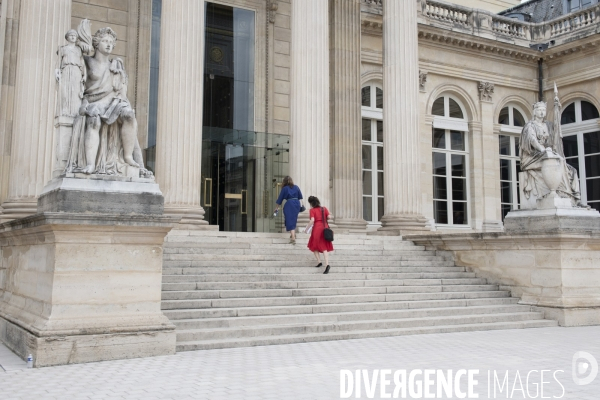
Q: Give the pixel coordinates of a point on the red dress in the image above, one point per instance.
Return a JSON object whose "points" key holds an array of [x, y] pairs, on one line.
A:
{"points": [[317, 242]]}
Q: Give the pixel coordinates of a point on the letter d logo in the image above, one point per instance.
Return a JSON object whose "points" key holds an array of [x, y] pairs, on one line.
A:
{"points": [[585, 368]]}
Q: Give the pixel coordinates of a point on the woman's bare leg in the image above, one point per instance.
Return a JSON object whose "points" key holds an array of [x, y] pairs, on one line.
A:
{"points": [[326, 255], [316, 254]]}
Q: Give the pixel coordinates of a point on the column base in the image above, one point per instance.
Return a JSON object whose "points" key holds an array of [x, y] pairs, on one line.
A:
{"points": [[192, 218], [351, 224], [15, 209], [400, 225]]}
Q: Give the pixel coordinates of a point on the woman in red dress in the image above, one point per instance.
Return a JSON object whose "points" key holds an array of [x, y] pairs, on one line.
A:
{"points": [[317, 243]]}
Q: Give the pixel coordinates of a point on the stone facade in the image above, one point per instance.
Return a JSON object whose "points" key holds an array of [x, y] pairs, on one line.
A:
{"points": [[460, 51]]}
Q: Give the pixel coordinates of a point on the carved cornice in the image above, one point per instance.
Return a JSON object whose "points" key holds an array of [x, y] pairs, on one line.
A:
{"points": [[474, 43]]}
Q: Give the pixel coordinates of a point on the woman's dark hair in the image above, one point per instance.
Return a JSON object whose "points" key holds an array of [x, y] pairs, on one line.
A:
{"points": [[314, 202], [288, 181]]}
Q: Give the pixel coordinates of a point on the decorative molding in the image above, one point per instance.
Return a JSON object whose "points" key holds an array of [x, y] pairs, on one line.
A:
{"points": [[486, 90], [422, 80], [272, 7]]}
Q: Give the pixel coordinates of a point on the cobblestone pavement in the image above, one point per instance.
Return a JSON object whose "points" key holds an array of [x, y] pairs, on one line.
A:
{"points": [[312, 370]]}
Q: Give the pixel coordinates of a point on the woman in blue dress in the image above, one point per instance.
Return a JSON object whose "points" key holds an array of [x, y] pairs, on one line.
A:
{"points": [[291, 209]]}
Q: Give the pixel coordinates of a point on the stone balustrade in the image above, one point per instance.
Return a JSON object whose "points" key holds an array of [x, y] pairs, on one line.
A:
{"points": [[574, 22], [485, 24], [373, 2], [511, 27], [448, 13]]}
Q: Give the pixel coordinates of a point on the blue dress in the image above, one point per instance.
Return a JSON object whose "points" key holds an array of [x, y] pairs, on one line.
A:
{"points": [[291, 209]]}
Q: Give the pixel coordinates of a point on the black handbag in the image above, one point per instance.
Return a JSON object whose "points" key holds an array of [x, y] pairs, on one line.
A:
{"points": [[327, 232], [302, 208]]}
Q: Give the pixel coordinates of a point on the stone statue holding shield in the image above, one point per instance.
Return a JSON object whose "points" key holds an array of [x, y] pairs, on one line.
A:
{"points": [[541, 140]]}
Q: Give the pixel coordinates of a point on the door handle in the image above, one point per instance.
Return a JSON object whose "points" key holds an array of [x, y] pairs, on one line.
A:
{"points": [[244, 202], [207, 187]]}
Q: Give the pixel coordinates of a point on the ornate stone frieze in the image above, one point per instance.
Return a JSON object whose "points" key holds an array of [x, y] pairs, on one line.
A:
{"points": [[486, 90]]}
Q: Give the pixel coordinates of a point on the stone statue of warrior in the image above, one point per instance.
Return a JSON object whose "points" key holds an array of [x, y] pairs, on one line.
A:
{"points": [[105, 132], [538, 139]]}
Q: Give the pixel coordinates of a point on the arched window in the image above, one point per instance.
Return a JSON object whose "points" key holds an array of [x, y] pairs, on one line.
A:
{"points": [[372, 153], [450, 162], [581, 142], [512, 120]]}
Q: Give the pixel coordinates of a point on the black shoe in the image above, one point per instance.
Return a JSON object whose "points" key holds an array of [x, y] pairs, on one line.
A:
{"points": [[326, 270], [318, 266]]}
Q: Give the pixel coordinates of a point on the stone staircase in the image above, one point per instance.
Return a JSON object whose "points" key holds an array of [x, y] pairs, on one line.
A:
{"points": [[243, 289]]}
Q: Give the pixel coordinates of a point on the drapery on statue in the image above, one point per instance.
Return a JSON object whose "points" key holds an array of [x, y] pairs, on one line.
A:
{"points": [[70, 76], [539, 139], [105, 130]]}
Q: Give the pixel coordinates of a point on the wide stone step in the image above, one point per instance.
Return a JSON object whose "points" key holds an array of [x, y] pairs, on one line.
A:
{"points": [[322, 327], [362, 252], [285, 241], [226, 294], [233, 322], [295, 258], [314, 300], [313, 276], [285, 245], [169, 270], [334, 308], [184, 286], [303, 262], [316, 337]]}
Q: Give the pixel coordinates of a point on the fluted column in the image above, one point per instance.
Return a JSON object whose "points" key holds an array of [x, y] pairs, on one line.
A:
{"points": [[42, 26], [346, 114], [402, 174], [180, 94], [309, 141]]}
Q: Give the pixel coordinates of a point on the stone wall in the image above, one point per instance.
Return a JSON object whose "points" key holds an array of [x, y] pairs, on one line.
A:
{"points": [[282, 36]]}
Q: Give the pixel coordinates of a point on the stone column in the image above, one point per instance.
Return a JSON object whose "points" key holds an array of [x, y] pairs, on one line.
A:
{"points": [[346, 114], [42, 26], [309, 141], [180, 90], [402, 176]]}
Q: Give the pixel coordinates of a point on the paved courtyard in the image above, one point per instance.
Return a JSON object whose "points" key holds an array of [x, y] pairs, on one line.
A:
{"points": [[312, 370]]}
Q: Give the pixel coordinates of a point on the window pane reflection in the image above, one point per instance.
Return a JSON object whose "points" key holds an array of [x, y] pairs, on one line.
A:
{"points": [[366, 157], [440, 211], [366, 96], [458, 165], [379, 98], [518, 119], [568, 115], [457, 141], [504, 117], [455, 111], [366, 130], [438, 107], [368, 209], [380, 131], [367, 183], [439, 163], [439, 138], [459, 213]]}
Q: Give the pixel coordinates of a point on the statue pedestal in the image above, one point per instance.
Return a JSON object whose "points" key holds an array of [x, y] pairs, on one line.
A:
{"points": [[81, 280], [550, 220], [549, 258]]}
